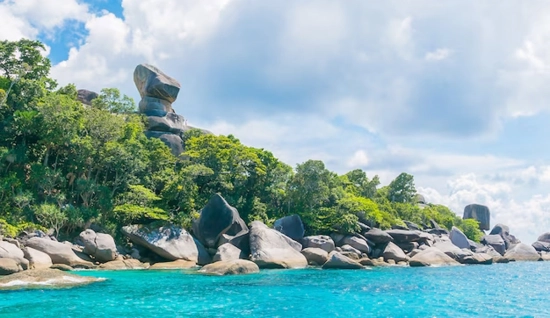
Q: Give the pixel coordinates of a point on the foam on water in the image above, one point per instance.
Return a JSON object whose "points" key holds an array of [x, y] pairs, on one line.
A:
{"points": [[501, 290]]}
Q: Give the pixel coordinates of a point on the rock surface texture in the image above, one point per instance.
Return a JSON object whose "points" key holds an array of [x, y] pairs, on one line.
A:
{"points": [[99, 245], [271, 249], [479, 213], [239, 266], [290, 226]]}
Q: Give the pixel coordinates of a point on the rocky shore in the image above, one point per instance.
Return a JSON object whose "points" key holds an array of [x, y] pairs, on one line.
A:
{"points": [[223, 244]]}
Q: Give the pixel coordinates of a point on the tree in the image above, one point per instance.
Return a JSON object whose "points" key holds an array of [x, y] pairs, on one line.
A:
{"points": [[51, 216], [111, 100], [402, 189]]}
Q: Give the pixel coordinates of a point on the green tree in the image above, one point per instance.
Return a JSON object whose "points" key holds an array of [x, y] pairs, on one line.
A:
{"points": [[110, 99], [402, 189], [51, 216]]}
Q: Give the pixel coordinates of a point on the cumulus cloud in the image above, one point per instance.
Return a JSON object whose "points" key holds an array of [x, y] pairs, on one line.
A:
{"points": [[438, 55]]}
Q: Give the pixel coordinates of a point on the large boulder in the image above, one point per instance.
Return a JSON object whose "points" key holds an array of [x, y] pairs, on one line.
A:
{"points": [[522, 252], [394, 252], [218, 218], [541, 246], [458, 238], [377, 236], [504, 232], [479, 213], [431, 257], [59, 253], [346, 248], [338, 261], [412, 226], [152, 106], [203, 257], [315, 255], [173, 141], [8, 266], [9, 250], [234, 267], [166, 240], [227, 252], [437, 229], [37, 259], [290, 226], [124, 264], [544, 237], [357, 243], [86, 97], [172, 123], [323, 242], [272, 249], [150, 81], [496, 242], [404, 236], [452, 250], [99, 245], [477, 259]]}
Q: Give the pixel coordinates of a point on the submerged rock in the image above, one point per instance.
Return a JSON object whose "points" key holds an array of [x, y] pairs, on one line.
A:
{"points": [[290, 226], [234, 267], [430, 257], [44, 278], [167, 240], [272, 249], [338, 261], [323, 242]]}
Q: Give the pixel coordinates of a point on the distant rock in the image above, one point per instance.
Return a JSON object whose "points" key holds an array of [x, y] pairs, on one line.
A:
{"points": [[458, 238], [522, 252], [541, 246], [393, 252], [377, 236], [152, 82], [479, 213], [234, 267], [420, 198], [59, 253], [338, 261], [504, 232], [272, 249], [174, 142], [496, 242], [99, 245], [315, 255], [403, 236], [152, 106], [437, 229], [290, 226], [412, 226], [85, 96], [166, 240], [323, 242], [431, 257], [544, 237], [218, 218]]}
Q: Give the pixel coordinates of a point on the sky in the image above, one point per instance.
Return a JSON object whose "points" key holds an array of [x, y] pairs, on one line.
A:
{"points": [[453, 92]]}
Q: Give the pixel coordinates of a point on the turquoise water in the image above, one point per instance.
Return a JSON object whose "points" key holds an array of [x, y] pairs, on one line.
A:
{"points": [[501, 290]]}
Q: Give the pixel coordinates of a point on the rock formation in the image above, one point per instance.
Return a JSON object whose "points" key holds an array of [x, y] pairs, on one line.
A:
{"points": [[85, 96], [479, 213]]}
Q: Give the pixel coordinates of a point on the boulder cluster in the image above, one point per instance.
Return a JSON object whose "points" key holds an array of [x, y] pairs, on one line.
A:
{"points": [[223, 244]]}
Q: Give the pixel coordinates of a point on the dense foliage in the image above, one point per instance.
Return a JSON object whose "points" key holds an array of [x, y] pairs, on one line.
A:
{"points": [[65, 166]]}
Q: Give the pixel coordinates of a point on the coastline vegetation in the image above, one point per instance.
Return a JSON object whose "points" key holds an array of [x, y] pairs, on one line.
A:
{"points": [[65, 166]]}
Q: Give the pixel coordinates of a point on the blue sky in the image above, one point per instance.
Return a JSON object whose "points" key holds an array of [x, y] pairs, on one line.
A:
{"points": [[453, 92]]}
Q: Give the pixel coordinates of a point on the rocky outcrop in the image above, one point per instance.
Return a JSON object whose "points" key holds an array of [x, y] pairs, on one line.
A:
{"points": [[59, 253], [479, 213], [323, 242], [452, 250], [431, 257], [9, 266], [44, 278], [290, 226], [478, 259], [404, 236], [166, 240], [99, 245], [544, 237], [227, 252], [357, 243], [504, 232], [522, 252], [216, 219], [11, 251], [394, 252], [85, 96], [315, 255], [338, 261], [377, 236], [541, 246], [496, 242], [37, 259], [234, 267], [203, 257], [272, 249]]}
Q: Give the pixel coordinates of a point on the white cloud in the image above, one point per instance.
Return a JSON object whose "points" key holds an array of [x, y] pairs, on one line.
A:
{"points": [[360, 158], [438, 55]]}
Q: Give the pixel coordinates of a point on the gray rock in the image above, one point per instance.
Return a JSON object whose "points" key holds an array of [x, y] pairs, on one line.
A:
{"points": [[437, 229], [172, 123], [217, 218], [323, 242], [166, 240], [479, 213], [272, 249], [227, 252], [496, 242], [290, 226], [234, 267], [8, 266], [124, 264], [504, 232], [315, 255], [203, 257], [541, 246], [59, 253], [337, 238], [430, 257], [99, 245], [150, 81], [478, 259], [9, 250], [412, 226], [544, 237], [403, 236], [522, 252], [393, 252], [338, 261], [173, 141], [350, 249], [356, 243], [37, 259], [407, 247], [545, 256], [151, 106], [242, 241], [458, 238], [377, 236], [420, 198], [452, 250], [364, 227], [86, 97]]}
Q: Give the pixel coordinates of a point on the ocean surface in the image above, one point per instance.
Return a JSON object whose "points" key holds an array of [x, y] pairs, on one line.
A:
{"points": [[500, 290]]}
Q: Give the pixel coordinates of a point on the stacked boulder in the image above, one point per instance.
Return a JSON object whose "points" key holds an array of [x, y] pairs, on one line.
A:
{"points": [[158, 91], [479, 213]]}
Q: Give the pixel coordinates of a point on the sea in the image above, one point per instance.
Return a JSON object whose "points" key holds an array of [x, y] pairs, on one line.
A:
{"points": [[499, 290]]}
